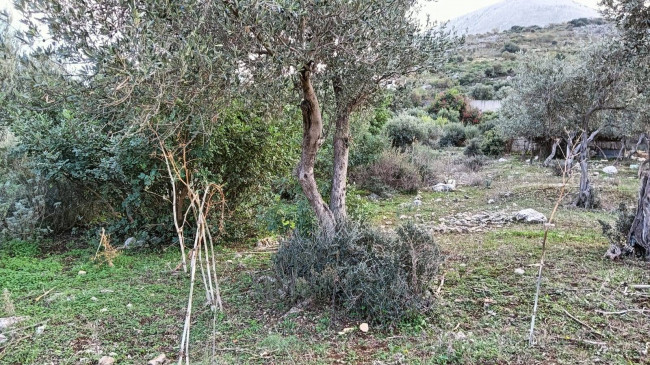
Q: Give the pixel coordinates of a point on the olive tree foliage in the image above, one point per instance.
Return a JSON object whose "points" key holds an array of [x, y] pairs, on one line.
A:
{"points": [[572, 99], [534, 109], [139, 78], [347, 49], [148, 60], [632, 18]]}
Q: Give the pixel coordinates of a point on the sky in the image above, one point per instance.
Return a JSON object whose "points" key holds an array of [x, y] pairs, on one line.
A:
{"points": [[440, 10], [443, 10]]}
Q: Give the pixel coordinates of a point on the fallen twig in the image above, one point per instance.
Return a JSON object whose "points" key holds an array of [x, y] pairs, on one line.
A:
{"points": [[624, 311], [640, 287], [583, 323], [588, 342], [44, 294], [442, 282]]}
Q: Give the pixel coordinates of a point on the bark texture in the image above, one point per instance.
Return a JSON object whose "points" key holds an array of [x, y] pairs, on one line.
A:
{"points": [[340, 175], [311, 141], [639, 238], [586, 197]]}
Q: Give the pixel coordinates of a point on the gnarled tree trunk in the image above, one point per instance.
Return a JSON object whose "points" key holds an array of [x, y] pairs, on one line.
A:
{"points": [[311, 141], [639, 238], [586, 197]]}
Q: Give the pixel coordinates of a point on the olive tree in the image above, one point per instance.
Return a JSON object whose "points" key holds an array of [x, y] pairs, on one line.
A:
{"points": [[348, 48], [156, 55], [632, 18], [571, 98]]}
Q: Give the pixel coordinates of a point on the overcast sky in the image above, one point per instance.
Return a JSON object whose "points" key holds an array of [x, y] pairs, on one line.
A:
{"points": [[443, 10], [440, 10]]}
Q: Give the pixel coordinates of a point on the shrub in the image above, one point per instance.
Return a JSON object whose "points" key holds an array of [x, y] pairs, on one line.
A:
{"points": [[454, 135], [473, 148], [451, 115], [405, 129], [472, 132], [482, 92], [392, 170], [474, 163], [511, 47], [367, 274], [471, 115], [493, 143]]}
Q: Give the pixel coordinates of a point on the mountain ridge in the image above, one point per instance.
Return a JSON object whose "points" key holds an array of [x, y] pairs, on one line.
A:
{"points": [[508, 13]]}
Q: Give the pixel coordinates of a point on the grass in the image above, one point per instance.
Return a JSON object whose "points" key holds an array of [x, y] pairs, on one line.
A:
{"points": [[134, 310]]}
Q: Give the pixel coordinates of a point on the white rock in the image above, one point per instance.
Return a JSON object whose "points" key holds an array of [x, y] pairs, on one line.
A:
{"points": [[449, 186], [503, 159], [491, 201], [7, 322], [129, 306], [403, 216], [106, 360], [158, 360], [129, 242], [610, 170], [40, 329], [519, 271], [364, 327], [81, 272], [530, 216], [94, 299], [634, 167]]}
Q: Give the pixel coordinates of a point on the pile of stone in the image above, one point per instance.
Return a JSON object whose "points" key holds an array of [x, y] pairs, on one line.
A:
{"points": [[479, 222]]}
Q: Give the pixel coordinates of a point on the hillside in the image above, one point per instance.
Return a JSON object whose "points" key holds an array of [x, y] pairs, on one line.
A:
{"points": [[504, 15]]}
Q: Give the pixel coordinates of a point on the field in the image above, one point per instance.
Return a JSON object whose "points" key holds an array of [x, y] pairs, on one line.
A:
{"points": [[588, 311]]}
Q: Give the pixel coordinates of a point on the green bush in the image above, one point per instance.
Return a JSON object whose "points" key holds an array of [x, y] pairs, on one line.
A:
{"points": [[366, 274], [482, 92], [473, 148], [452, 116], [493, 143], [511, 47], [393, 170], [454, 135], [405, 129]]}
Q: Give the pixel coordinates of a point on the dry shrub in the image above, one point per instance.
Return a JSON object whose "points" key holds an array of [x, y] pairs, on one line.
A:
{"points": [[365, 273], [393, 170], [109, 253]]}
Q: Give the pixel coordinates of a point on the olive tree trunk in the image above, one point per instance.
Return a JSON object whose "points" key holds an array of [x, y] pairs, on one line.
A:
{"points": [[586, 197], [639, 238], [312, 139], [340, 175]]}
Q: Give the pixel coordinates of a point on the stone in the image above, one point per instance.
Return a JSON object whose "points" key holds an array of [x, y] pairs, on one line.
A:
{"points": [[158, 360], [519, 271], [374, 197], [445, 187], [610, 170], [81, 272], [364, 327], [491, 201], [503, 159], [106, 360], [634, 167], [129, 306], [530, 216], [40, 329], [130, 242], [7, 322], [94, 299], [403, 217]]}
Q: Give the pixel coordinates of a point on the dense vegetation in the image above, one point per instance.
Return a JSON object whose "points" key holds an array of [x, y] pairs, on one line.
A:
{"points": [[343, 154]]}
